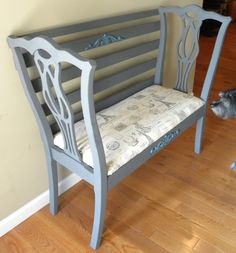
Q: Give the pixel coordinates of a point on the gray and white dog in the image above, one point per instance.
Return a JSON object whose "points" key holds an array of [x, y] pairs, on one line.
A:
{"points": [[225, 108]]}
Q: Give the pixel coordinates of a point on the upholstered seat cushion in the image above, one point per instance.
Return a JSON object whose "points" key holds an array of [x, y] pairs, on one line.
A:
{"points": [[130, 126]]}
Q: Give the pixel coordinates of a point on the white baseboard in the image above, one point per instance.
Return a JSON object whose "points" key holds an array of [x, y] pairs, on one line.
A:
{"points": [[35, 205]]}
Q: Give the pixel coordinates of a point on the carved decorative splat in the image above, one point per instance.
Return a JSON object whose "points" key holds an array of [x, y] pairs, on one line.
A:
{"points": [[187, 49], [105, 39], [50, 73]]}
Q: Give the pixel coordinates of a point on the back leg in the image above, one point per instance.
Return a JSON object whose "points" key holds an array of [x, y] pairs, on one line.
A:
{"points": [[199, 135], [53, 185]]}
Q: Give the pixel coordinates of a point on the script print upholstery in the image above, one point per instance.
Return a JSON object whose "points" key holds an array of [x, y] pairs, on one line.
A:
{"points": [[130, 126]]}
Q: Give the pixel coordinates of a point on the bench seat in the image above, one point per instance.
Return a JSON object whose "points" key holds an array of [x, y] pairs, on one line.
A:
{"points": [[130, 126]]}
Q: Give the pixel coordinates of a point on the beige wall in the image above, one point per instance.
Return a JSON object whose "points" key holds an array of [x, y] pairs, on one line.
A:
{"points": [[22, 165]]}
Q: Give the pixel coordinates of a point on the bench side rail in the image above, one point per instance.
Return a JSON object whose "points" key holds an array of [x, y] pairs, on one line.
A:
{"points": [[187, 48], [48, 57]]}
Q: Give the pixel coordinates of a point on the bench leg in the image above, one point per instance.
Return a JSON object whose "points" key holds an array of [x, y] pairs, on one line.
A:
{"points": [[199, 135], [99, 216], [53, 185]]}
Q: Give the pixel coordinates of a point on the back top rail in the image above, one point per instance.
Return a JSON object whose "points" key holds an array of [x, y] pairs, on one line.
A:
{"points": [[85, 26], [81, 44]]}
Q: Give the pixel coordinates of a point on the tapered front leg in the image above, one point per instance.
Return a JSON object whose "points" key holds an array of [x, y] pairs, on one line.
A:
{"points": [[100, 193]]}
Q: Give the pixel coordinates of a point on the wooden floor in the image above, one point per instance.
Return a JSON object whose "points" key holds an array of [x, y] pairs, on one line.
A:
{"points": [[178, 202]]}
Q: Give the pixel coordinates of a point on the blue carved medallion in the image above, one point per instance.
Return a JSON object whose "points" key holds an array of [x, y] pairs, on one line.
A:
{"points": [[105, 39], [165, 141]]}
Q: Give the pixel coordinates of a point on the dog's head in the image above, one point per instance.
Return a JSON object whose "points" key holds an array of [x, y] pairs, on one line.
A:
{"points": [[225, 106]]}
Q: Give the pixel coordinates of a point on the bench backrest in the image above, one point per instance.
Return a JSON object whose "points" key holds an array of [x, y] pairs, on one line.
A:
{"points": [[122, 68], [125, 50]]}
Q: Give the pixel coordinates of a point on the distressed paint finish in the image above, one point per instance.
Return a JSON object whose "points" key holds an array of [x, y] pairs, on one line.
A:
{"points": [[50, 70]]}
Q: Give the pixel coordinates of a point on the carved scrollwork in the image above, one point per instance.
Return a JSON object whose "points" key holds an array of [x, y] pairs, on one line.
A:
{"points": [[165, 141], [50, 73], [105, 39]]}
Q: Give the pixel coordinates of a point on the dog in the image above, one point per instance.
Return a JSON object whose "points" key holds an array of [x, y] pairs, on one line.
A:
{"points": [[225, 108]]}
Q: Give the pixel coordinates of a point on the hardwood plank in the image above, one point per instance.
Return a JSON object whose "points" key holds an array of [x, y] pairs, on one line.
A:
{"points": [[47, 238], [134, 237], [143, 218], [183, 223], [200, 205], [14, 243], [171, 244], [203, 199], [205, 247], [171, 201]]}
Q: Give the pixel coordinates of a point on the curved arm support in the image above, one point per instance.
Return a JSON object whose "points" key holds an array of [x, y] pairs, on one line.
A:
{"points": [[215, 59], [45, 131], [92, 129], [49, 67]]}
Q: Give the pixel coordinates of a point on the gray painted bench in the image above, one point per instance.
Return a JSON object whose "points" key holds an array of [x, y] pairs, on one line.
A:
{"points": [[97, 92]]}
